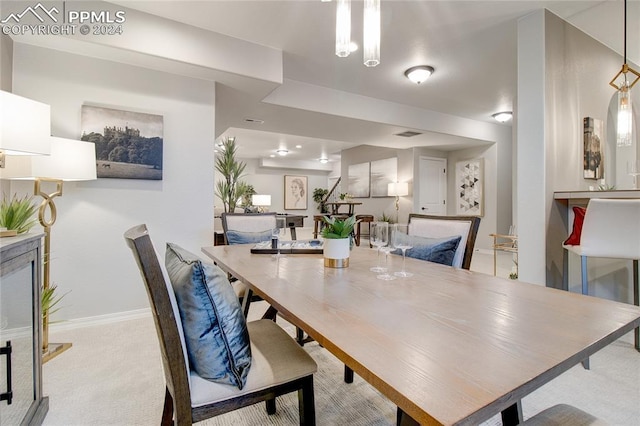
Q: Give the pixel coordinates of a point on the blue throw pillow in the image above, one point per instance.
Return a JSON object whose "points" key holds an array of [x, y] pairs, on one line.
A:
{"points": [[238, 237], [215, 329], [437, 250]]}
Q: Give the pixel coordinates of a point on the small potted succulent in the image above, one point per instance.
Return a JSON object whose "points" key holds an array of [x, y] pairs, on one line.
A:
{"points": [[337, 235], [17, 215]]}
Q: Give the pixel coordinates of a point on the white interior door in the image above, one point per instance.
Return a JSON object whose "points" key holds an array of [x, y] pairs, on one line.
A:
{"points": [[433, 186]]}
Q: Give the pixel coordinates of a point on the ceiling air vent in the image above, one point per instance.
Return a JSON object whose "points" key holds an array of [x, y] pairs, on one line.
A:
{"points": [[408, 134]]}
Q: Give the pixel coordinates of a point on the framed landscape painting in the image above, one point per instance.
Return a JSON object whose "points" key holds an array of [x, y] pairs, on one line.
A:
{"points": [[295, 193], [358, 183], [128, 144], [383, 172]]}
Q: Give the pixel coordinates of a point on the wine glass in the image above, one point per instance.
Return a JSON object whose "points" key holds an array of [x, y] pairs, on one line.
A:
{"points": [[379, 238], [386, 250], [276, 242], [401, 240]]}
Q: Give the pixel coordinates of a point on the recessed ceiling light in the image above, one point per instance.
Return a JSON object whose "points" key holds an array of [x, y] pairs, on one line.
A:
{"points": [[298, 146], [324, 160], [353, 46], [419, 74], [272, 155], [282, 152], [503, 116]]}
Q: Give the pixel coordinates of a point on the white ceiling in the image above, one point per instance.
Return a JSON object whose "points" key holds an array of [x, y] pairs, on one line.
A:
{"points": [[471, 45]]}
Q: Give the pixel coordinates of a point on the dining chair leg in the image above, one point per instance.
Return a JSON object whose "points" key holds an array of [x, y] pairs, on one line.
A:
{"points": [[167, 411], [271, 406], [512, 415], [306, 403], [348, 375]]}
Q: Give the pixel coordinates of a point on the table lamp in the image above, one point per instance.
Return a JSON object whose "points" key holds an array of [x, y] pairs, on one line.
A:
{"points": [[261, 202], [70, 160], [398, 189], [25, 126]]}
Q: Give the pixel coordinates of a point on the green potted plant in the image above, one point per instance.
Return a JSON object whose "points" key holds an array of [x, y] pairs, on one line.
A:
{"points": [[337, 241], [318, 197], [16, 214], [230, 189]]}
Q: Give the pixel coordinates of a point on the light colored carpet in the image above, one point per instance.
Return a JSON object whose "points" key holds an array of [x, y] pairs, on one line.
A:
{"points": [[113, 376]]}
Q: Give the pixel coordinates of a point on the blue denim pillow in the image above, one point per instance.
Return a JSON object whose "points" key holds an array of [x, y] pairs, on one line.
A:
{"points": [[437, 250], [238, 237], [215, 330]]}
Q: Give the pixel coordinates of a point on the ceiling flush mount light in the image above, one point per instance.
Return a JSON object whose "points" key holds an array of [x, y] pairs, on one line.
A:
{"points": [[282, 152], [343, 28], [371, 33], [503, 116], [323, 160], [625, 120], [419, 74]]}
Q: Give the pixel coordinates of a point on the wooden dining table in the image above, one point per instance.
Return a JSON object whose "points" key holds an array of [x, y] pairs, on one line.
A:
{"points": [[447, 346]]}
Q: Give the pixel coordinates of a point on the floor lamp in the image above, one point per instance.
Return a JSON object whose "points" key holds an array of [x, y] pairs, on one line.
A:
{"points": [[70, 160], [398, 189]]}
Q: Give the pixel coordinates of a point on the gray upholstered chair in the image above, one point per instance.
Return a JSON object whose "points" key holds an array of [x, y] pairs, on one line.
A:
{"points": [[279, 365]]}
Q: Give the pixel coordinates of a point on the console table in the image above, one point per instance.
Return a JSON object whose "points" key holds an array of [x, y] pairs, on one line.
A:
{"points": [[21, 400]]}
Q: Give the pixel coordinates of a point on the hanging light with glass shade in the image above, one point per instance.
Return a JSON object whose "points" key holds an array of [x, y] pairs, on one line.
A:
{"points": [[371, 33], [343, 28], [625, 111]]}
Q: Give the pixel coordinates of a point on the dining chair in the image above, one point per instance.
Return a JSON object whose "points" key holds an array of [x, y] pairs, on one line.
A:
{"points": [[611, 229], [432, 226], [279, 366]]}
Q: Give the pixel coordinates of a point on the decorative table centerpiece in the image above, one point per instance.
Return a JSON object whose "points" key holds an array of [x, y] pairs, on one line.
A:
{"points": [[337, 235]]}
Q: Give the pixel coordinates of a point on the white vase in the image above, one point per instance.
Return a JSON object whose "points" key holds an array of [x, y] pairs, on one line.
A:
{"points": [[336, 252]]}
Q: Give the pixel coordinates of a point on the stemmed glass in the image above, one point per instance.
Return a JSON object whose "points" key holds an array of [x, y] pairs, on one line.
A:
{"points": [[386, 250], [400, 240], [275, 237], [379, 237]]}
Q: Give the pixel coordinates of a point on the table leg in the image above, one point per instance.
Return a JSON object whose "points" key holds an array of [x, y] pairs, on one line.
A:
{"points": [[512, 415], [293, 232], [246, 300]]}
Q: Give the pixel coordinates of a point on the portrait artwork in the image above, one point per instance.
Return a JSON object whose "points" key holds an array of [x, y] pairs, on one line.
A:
{"points": [[295, 192]]}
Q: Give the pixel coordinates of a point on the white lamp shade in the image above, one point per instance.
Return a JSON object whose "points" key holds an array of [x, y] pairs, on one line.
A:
{"points": [[261, 200], [25, 125], [398, 189], [69, 160]]}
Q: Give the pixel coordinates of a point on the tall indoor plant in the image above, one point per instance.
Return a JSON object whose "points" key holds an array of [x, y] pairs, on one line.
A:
{"points": [[230, 188], [337, 235]]}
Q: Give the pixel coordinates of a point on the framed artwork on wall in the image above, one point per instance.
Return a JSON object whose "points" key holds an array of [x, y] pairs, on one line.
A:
{"points": [[128, 144], [358, 182], [470, 187], [383, 172], [295, 192], [593, 152]]}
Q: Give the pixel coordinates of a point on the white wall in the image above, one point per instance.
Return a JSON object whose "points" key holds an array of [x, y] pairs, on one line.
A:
{"points": [[89, 257], [563, 76]]}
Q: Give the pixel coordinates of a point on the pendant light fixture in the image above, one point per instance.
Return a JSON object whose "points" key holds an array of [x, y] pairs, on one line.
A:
{"points": [[343, 28], [371, 33], [625, 112]]}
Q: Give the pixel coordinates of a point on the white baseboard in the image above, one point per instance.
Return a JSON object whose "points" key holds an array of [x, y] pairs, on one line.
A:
{"points": [[100, 319]]}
